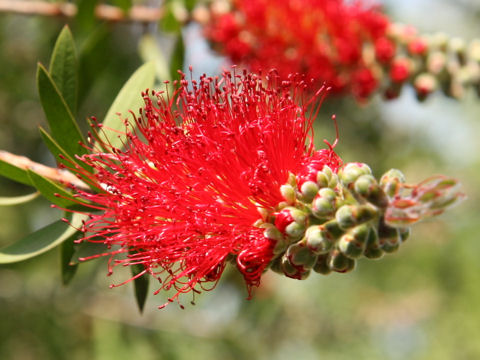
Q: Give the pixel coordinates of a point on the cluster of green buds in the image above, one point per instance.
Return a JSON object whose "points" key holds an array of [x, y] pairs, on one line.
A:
{"points": [[428, 62], [327, 225]]}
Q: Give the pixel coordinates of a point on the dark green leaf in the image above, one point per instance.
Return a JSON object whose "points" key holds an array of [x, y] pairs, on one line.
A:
{"points": [[67, 249], [57, 150], [129, 98], [87, 249], [125, 5], [63, 68], [16, 200], [169, 21], [140, 285], [41, 240], [93, 59], [178, 57], [85, 18], [14, 173], [48, 189], [62, 124]]}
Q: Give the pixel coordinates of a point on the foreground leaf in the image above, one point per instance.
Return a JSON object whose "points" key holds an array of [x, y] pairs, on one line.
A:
{"points": [[48, 189], [67, 249], [129, 98], [63, 67], [63, 126], [140, 285], [41, 240], [14, 173]]}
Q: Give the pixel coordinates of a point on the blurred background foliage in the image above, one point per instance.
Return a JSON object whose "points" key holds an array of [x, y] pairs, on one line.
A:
{"points": [[420, 303]]}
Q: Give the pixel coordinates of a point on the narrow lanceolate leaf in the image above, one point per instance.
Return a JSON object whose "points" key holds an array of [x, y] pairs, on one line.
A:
{"points": [[63, 126], [140, 285], [67, 249], [16, 200], [57, 150], [63, 68], [150, 51], [14, 173], [53, 192], [178, 56], [41, 240], [129, 98]]}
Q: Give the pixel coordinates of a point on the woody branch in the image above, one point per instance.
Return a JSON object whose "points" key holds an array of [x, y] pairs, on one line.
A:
{"points": [[138, 13]]}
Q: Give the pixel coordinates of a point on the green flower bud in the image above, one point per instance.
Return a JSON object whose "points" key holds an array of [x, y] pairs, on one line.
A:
{"points": [[352, 171], [367, 187], [391, 181], [322, 179], [295, 230], [288, 193], [321, 266], [309, 189], [339, 262], [372, 249], [389, 238], [348, 216], [333, 181], [291, 271], [276, 265], [301, 256], [318, 239], [333, 228], [324, 203], [352, 244]]}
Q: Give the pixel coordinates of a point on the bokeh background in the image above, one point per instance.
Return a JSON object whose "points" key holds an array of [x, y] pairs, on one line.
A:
{"points": [[422, 302]]}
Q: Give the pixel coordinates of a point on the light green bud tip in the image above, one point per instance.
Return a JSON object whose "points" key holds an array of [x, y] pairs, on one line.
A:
{"points": [[352, 171], [391, 181], [288, 193], [301, 256], [318, 239], [309, 189], [348, 216]]}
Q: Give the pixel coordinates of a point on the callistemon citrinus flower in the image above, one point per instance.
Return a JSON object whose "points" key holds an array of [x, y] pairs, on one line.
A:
{"points": [[321, 38], [225, 170]]}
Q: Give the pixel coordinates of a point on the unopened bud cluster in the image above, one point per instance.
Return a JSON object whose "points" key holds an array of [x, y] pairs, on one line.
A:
{"points": [[327, 224], [429, 63]]}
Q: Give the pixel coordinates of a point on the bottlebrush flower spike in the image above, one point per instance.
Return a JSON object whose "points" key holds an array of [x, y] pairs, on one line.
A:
{"points": [[322, 38], [185, 194], [225, 170]]}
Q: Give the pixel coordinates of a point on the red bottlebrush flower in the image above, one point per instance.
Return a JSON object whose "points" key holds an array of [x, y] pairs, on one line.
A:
{"points": [[400, 70], [186, 193], [385, 50], [323, 39]]}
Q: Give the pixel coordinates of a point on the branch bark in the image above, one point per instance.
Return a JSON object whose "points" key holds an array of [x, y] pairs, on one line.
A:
{"points": [[55, 174], [142, 14]]}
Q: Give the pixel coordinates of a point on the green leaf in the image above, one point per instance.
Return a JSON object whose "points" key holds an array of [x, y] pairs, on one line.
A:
{"points": [[16, 200], [129, 98], [63, 126], [178, 57], [169, 21], [150, 51], [57, 150], [67, 249], [94, 56], [140, 285], [85, 18], [14, 173], [48, 189], [41, 240], [87, 249], [125, 5], [63, 68]]}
